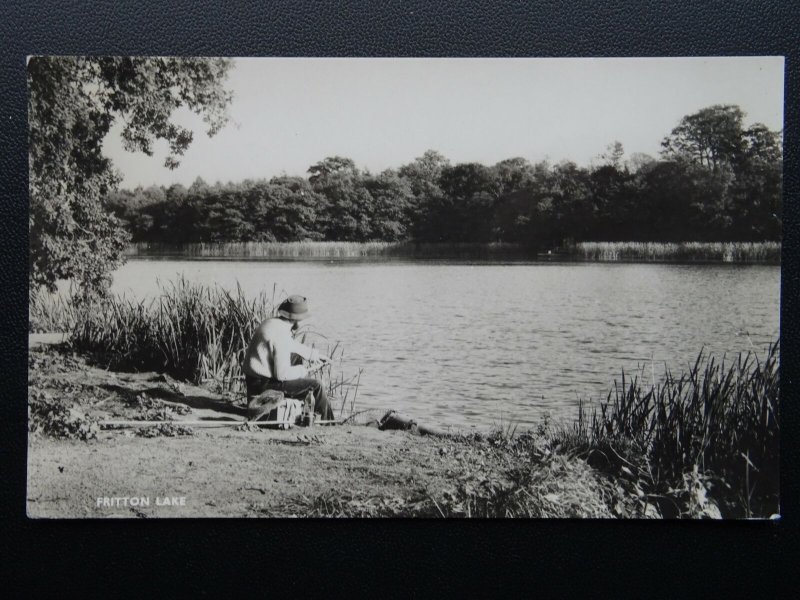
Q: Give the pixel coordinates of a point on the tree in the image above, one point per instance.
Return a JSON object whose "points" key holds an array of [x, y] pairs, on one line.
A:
{"points": [[681, 202], [613, 155], [611, 197], [513, 174], [284, 210], [424, 171], [711, 137], [332, 167], [756, 195], [176, 193], [349, 205], [739, 184], [638, 162], [423, 175], [517, 213], [391, 199], [571, 207], [467, 212], [72, 104]]}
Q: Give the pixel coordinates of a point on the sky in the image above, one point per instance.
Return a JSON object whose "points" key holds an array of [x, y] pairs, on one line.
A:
{"points": [[289, 113]]}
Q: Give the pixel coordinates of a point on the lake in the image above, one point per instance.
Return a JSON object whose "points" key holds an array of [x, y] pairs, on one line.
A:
{"points": [[484, 344]]}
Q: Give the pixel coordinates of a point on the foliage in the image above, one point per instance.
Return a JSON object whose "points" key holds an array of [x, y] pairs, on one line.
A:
{"points": [[711, 137], [190, 331], [492, 477], [164, 430], [49, 416], [715, 182], [72, 104], [702, 444]]}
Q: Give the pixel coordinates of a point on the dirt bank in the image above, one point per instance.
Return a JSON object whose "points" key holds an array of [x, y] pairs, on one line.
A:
{"points": [[231, 473], [226, 472]]}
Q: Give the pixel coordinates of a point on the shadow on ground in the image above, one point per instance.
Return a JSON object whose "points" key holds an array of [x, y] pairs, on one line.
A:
{"points": [[194, 402]]}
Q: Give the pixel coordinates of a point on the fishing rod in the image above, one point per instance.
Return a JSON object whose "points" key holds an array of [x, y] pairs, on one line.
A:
{"points": [[311, 370], [209, 423]]}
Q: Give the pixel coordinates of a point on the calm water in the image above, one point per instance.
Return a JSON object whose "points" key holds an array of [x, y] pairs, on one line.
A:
{"points": [[476, 345]]}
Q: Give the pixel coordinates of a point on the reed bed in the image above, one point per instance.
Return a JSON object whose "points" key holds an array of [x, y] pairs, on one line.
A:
{"points": [[51, 312], [321, 250], [727, 252], [190, 331], [704, 444]]}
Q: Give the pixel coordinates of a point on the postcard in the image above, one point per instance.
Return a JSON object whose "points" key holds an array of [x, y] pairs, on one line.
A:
{"points": [[417, 287]]}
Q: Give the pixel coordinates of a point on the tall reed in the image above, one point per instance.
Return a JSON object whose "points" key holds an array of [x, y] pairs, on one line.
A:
{"points": [[312, 249], [191, 331], [51, 312], [731, 252], [713, 431]]}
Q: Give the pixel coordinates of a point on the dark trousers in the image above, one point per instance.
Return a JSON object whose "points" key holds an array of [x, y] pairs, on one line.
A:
{"points": [[294, 388]]}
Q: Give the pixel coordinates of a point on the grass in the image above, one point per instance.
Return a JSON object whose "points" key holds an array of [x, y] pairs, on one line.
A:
{"points": [[320, 250], [190, 331], [342, 391], [552, 487], [193, 332], [705, 443], [49, 313], [728, 252]]}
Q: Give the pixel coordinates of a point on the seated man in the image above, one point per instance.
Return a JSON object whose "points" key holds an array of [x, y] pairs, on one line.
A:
{"points": [[268, 361]]}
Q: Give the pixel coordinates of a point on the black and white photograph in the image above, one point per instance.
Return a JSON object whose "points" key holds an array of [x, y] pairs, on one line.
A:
{"points": [[404, 287]]}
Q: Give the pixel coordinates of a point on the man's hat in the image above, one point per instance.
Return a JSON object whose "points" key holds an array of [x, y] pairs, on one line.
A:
{"points": [[295, 307]]}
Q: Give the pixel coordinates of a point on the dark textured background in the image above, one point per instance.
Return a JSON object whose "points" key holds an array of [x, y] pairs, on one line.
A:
{"points": [[630, 559]]}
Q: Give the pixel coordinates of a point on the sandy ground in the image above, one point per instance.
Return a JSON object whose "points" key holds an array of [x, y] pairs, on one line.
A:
{"points": [[218, 472], [224, 473]]}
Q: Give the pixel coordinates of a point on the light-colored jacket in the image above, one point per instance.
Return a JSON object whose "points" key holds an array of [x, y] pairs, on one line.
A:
{"points": [[270, 352]]}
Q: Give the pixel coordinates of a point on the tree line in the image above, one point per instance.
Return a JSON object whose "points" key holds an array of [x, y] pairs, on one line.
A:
{"points": [[714, 181]]}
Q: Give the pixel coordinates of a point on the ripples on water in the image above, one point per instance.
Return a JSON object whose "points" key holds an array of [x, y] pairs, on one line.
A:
{"points": [[479, 344]]}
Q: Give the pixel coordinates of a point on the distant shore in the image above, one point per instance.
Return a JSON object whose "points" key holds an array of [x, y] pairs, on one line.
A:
{"points": [[680, 252]]}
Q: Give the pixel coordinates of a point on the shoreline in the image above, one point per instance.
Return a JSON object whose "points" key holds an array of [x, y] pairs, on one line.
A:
{"points": [[445, 260], [733, 253], [347, 470], [234, 472]]}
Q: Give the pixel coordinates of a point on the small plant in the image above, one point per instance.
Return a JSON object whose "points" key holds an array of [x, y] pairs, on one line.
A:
{"points": [[153, 409], [50, 417], [164, 430]]}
